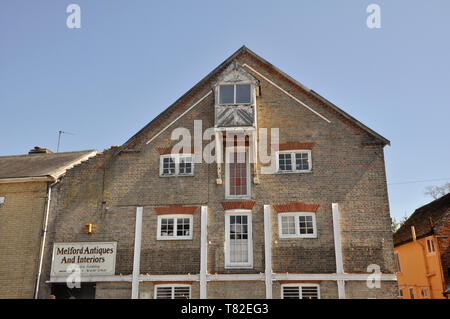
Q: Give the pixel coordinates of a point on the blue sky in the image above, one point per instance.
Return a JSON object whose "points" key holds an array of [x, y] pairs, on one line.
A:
{"points": [[132, 59]]}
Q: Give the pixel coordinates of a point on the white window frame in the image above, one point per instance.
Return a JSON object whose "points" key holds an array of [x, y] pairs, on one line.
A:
{"points": [[175, 217], [293, 164], [297, 226], [228, 263], [176, 158], [172, 286], [229, 150], [300, 289], [234, 92]]}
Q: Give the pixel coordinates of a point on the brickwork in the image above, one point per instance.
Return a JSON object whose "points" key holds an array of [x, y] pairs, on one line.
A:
{"points": [[21, 218]]}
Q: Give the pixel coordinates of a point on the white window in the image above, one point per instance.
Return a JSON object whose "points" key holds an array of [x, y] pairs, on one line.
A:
{"points": [[176, 165], [235, 94], [174, 227], [237, 173], [430, 246], [297, 161], [297, 225], [172, 291], [300, 291], [397, 263], [238, 239]]}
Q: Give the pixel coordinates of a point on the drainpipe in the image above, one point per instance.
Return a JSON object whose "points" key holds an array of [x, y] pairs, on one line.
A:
{"points": [[44, 236]]}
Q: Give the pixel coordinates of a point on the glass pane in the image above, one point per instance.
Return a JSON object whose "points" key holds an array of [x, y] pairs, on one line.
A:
{"points": [[181, 293], [291, 293], [166, 227], [310, 292], [288, 225], [186, 165], [285, 163], [164, 293], [239, 239], [183, 227], [243, 94], [306, 225], [168, 166], [301, 161], [226, 94]]}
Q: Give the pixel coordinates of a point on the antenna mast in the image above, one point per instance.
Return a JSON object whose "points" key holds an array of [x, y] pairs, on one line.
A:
{"points": [[59, 138]]}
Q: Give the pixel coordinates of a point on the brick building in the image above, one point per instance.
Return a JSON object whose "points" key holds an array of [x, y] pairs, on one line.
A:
{"points": [[305, 222], [25, 189], [422, 252]]}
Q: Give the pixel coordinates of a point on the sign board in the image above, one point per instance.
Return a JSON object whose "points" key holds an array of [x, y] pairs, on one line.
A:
{"points": [[94, 259]]}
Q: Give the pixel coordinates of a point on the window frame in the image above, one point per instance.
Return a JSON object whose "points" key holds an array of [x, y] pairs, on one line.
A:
{"points": [[297, 225], [175, 223], [412, 293], [228, 263], [234, 93], [425, 295], [293, 163], [300, 289], [176, 158], [431, 249], [172, 286], [233, 149]]}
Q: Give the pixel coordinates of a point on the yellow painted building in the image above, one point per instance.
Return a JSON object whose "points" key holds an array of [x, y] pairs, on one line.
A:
{"points": [[421, 249], [25, 192]]}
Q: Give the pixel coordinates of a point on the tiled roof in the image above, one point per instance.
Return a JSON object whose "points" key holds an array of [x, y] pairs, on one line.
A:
{"points": [[40, 165], [423, 219]]}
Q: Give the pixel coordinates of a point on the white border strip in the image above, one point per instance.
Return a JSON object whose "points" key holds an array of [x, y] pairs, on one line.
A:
{"points": [[180, 116], [203, 251], [268, 252], [137, 254], [287, 93]]}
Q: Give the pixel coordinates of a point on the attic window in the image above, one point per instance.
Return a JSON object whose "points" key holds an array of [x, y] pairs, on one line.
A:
{"points": [[235, 94]]}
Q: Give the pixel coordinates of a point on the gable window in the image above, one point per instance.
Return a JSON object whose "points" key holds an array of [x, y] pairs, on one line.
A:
{"points": [[397, 263], [172, 291], [174, 227], [235, 94], [430, 246], [294, 161], [238, 239], [297, 225], [300, 291], [176, 165]]}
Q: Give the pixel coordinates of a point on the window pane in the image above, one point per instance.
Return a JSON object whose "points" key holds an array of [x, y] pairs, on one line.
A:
{"points": [[183, 227], [186, 165], [166, 227], [238, 239], [168, 166], [285, 163], [226, 94], [237, 173], [301, 161], [164, 293], [243, 93], [310, 292], [291, 292], [181, 293], [306, 225], [288, 225]]}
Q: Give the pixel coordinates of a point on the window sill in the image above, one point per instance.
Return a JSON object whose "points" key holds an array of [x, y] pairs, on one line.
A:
{"points": [[299, 237], [175, 238], [238, 267], [295, 172], [179, 175]]}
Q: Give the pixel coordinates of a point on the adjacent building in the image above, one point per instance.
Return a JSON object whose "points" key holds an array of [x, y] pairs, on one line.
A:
{"points": [[422, 252], [248, 186], [26, 182]]}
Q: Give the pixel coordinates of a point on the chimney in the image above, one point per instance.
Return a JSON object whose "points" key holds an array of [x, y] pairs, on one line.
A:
{"points": [[39, 150], [413, 233]]}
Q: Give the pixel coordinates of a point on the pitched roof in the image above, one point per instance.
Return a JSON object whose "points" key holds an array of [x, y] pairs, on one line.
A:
{"points": [[202, 83], [423, 219], [40, 166]]}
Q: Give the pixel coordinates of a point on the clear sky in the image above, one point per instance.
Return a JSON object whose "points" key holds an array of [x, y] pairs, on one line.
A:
{"points": [[132, 59]]}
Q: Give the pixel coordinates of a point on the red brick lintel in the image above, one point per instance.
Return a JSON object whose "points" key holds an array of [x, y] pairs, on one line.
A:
{"points": [[296, 207], [287, 146], [238, 205], [175, 209]]}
